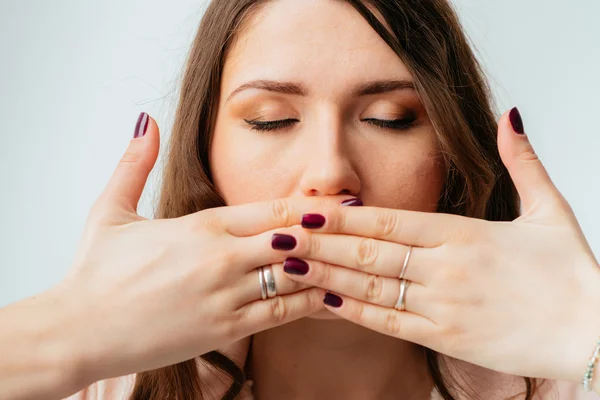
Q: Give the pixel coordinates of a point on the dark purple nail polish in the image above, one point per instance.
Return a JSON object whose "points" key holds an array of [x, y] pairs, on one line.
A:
{"points": [[283, 242], [516, 121], [313, 221], [295, 266], [332, 300], [141, 126], [352, 202]]}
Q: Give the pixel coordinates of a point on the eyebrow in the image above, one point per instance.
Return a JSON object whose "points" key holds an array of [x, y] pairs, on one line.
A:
{"points": [[363, 89]]}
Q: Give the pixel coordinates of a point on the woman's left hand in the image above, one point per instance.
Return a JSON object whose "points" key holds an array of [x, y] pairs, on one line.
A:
{"points": [[518, 297]]}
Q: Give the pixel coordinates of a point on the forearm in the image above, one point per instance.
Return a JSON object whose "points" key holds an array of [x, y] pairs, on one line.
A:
{"points": [[37, 357]]}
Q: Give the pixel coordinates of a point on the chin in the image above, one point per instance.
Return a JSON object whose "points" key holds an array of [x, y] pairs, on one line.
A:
{"points": [[324, 314]]}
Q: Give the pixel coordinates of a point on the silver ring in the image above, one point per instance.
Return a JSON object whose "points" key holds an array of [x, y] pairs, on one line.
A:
{"points": [[263, 284], [270, 279], [405, 263], [401, 303]]}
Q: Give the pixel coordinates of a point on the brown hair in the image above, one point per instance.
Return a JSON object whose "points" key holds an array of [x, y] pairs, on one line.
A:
{"points": [[428, 37]]}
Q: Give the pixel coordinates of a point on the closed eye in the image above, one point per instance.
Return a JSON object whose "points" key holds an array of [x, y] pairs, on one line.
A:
{"points": [[394, 124], [271, 125]]}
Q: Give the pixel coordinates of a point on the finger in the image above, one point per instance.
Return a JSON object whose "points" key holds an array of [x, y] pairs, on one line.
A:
{"points": [[265, 314], [373, 256], [415, 228], [376, 257], [253, 218], [266, 248], [361, 286], [389, 321], [248, 287], [125, 187], [531, 179]]}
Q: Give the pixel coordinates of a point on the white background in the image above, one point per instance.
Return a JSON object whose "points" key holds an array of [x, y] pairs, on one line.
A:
{"points": [[75, 75]]}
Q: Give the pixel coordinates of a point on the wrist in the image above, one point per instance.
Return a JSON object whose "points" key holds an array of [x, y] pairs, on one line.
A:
{"points": [[63, 331], [37, 357]]}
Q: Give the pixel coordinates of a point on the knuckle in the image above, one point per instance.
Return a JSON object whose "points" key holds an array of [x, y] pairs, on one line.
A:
{"points": [[461, 233], [278, 309], [455, 275], [374, 288], [451, 312], [387, 223], [228, 258], [205, 220], [529, 155], [295, 286], [130, 157], [339, 218], [393, 324], [366, 252], [323, 278], [451, 334], [281, 212], [99, 213], [315, 301], [314, 244], [356, 314], [220, 262]]}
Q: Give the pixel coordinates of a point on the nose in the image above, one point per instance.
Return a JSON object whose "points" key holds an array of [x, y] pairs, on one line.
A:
{"points": [[330, 163]]}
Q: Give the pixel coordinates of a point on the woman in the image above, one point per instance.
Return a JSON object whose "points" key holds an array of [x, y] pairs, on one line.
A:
{"points": [[316, 103]]}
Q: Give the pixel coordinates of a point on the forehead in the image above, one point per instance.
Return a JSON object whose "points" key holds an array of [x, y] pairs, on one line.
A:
{"points": [[323, 43]]}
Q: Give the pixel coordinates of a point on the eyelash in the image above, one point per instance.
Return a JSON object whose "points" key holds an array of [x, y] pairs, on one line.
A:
{"points": [[395, 124]]}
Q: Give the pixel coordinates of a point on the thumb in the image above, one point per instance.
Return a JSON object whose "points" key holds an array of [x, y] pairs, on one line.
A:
{"points": [[125, 187], [531, 179]]}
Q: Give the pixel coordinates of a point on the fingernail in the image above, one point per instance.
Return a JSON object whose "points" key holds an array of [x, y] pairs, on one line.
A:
{"points": [[352, 202], [283, 242], [141, 126], [516, 121], [313, 221], [332, 300], [295, 266]]}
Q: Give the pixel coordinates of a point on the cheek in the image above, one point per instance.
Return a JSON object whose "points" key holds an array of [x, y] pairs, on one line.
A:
{"points": [[246, 169], [411, 178], [424, 179]]}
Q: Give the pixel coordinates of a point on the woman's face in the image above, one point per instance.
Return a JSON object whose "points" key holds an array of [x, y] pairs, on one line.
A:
{"points": [[320, 67]]}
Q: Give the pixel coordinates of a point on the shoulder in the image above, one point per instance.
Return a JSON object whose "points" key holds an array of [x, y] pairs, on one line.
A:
{"points": [[492, 385], [119, 388], [571, 391]]}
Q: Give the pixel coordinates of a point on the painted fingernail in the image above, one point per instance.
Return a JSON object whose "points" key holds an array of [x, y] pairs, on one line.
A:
{"points": [[295, 266], [141, 126], [516, 121], [332, 300], [283, 242], [313, 221], [352, 202]]}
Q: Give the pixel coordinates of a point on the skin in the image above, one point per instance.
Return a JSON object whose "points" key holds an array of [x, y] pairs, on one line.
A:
{"points": [[329, 49]]}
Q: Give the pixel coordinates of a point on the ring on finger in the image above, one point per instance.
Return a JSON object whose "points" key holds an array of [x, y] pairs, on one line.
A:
{"points": [[405, 263], [401, 303], [262, 282], [270, 281]]}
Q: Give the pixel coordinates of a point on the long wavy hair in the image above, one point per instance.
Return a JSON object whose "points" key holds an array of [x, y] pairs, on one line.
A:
{"points": [[428, 37]]}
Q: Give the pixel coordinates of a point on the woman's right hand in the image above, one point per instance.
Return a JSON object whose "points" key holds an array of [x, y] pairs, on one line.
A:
{"points": [[144, 294]]}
